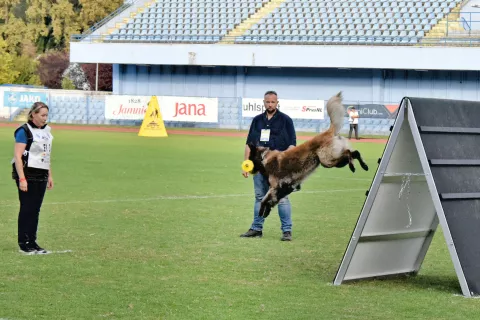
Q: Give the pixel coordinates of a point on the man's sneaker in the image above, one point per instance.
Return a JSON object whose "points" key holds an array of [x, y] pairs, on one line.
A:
{"points": [[252, 234], [287, 236], [33, 245], [25, 249]]}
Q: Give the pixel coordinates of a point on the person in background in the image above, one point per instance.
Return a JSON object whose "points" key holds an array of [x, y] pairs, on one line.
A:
{"points": [[353, 120], [32, 173]]}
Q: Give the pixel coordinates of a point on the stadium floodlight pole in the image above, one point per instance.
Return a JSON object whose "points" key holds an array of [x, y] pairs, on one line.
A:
{"points": [[96, 79]]}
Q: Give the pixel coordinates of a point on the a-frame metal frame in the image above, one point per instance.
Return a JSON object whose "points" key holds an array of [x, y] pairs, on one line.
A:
{"points": [[401, 212]]}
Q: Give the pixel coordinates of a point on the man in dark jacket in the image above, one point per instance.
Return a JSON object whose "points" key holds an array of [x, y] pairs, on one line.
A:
{"points": [[275, 130]]}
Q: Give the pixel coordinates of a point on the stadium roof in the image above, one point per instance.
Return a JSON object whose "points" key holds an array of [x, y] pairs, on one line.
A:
{"points": [[431, 35]]}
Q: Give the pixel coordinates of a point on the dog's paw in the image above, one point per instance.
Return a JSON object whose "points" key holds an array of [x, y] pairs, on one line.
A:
{"points": [[352, 168], [364, 166], [262, 212], [266, 213]]}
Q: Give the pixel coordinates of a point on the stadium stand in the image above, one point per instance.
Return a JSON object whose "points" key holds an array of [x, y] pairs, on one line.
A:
{"points": [[350, 21], [291, 21], [187, 21], [308, 22]]}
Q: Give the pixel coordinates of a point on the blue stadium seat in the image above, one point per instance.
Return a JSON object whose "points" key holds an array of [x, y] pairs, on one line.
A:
{"points": [[213, 19]]}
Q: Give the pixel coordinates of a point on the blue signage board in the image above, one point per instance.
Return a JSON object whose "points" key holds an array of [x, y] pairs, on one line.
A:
{"points": [[22, 99], [373, 110]]}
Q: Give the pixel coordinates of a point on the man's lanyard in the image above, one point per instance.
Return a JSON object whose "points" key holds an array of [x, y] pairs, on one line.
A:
{"points": [[265, 133]]}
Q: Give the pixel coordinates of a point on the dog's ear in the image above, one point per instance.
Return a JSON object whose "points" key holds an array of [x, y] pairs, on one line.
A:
{"points": [[252, 147]]}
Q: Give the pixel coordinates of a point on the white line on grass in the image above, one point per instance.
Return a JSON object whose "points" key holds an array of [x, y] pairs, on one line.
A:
{"points": [[45, 253], [341, 178], [356, 179], [54, 252], [185, 197]]}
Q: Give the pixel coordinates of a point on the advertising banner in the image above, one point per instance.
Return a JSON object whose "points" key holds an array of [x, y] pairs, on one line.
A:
{"points": [[22, 99], [185, 109], [296, 109], [373, 110], [189, 109], [126, 107]]}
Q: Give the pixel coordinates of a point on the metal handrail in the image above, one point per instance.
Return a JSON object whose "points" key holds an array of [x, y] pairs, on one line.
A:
{"points": [[465, 24], [272, 40]]}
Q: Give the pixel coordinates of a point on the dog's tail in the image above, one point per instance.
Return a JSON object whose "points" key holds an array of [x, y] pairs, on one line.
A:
{"points": [[336, 113]]}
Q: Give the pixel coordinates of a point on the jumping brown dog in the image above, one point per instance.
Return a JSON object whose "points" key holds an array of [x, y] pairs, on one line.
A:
{"points": [[286, 170]]}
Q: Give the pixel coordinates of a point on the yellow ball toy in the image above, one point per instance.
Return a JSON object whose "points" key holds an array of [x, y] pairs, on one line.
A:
{"points": [[247, 165]]}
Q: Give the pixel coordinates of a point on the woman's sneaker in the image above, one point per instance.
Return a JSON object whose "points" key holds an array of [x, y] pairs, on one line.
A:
{"points": [[33, 245], [26, 249]]}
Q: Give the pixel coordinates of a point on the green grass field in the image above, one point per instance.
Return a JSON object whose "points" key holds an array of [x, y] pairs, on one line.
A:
{"points": [[154, 225]]}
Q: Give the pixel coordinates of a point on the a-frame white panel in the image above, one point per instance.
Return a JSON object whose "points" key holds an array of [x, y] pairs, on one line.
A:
{"points": [[401, 212], [394, 227]]}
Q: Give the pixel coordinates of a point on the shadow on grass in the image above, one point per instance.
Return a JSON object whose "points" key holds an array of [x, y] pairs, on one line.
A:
{"points": [[437, 283]]}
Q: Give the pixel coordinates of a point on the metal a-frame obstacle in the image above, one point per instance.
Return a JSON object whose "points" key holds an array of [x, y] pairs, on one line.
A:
{"points": [[429, 174]]}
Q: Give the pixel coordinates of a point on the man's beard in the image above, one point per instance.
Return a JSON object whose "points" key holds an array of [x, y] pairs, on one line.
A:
{"points": [[271, 111]]}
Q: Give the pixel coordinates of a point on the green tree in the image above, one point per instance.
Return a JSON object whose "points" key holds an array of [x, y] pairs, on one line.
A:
{"points": [[93, 11], [38, 21], [32, 27], [67, 84], [64, 22], [6, 7], [14, 34], [26, 68], [7, 72]]}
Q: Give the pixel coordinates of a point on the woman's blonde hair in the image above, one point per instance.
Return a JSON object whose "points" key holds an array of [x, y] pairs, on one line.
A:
{"points": [[36, 107]]}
